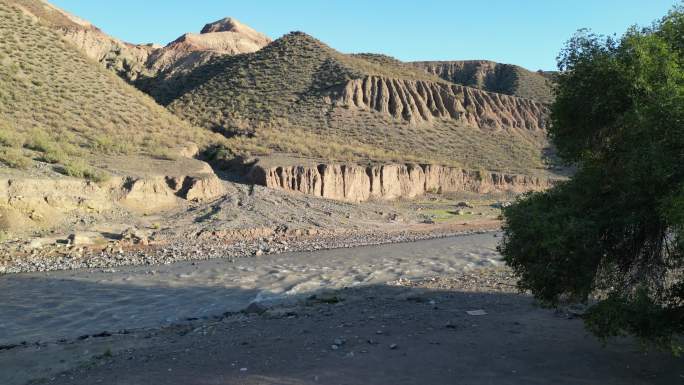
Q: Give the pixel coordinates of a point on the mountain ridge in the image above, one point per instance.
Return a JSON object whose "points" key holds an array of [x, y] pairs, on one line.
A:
{"points": [[137, 62], [491, 76]]}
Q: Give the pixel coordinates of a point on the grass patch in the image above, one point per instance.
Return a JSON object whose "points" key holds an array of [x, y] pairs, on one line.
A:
{"points": [[78, 168], [446, 215], [9, 137]]}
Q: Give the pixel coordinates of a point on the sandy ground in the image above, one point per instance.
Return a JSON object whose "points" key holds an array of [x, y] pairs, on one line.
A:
{"points": [[400, 333]]}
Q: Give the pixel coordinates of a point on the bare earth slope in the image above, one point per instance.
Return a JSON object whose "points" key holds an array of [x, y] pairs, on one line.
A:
{"points": [[224, 37], [506, 79]]}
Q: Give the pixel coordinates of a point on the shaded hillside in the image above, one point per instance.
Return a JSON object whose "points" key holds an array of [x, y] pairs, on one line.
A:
{"points": [[300, 96], [60, 107], [506, 79]]}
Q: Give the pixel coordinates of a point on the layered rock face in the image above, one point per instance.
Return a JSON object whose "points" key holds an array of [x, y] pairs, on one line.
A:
{"points": [[161, 192], [483, 74], [355, 183], [42, 202], [418, 101], [27, 203]]}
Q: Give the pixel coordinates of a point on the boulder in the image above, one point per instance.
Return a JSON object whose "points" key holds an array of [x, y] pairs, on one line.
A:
{"points": [[134, 235], [83, 238], [202, 188]]}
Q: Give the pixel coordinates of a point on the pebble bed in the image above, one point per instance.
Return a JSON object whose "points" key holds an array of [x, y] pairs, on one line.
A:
{"points": [[69, 258]]}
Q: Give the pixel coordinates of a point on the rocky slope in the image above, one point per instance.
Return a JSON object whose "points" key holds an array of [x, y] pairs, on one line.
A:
{"points": [[127, 60], [491, 76], [357, 183], [141, 62]]}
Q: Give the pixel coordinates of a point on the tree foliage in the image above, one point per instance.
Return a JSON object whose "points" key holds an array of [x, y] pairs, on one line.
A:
{"points": [[613, 235]]}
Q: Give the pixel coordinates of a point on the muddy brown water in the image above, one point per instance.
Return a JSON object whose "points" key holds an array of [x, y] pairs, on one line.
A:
{"points": [[65, 305]]}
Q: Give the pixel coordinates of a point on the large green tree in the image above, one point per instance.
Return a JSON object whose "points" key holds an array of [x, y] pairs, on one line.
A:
{"points": [[613, 235]]}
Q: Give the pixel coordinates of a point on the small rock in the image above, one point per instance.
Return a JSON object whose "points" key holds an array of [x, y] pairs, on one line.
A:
{"points": [[393, 346], [80, 239], [37, 243], [326, 296], [476, 312], [134, 235], [501, 205], [255, 308]]}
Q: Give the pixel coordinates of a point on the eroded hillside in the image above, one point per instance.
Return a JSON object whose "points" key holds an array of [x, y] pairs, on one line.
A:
{"points": [[487, 75], [59, 107], [297, 95]]}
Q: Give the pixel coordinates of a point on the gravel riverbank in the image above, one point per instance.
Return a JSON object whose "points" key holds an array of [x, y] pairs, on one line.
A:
{"points": [[66, 257]]}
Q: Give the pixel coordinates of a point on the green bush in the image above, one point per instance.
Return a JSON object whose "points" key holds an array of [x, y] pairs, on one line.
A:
{"points": [[39, 140], [613, 236], [80, 169], [14, 158]]}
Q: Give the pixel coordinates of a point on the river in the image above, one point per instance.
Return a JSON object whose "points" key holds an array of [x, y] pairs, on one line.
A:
{"points": [[68, 304]]}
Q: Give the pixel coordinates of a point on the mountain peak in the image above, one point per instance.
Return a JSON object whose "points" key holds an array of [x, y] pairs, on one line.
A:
{"points": [[227, 24]]}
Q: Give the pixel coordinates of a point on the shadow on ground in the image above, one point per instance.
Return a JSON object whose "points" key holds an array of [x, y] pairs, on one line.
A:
{"points": [[376, 334]]}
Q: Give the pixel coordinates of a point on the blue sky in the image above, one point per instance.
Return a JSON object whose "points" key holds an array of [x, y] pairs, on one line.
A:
{"points": [[524, 32]]}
